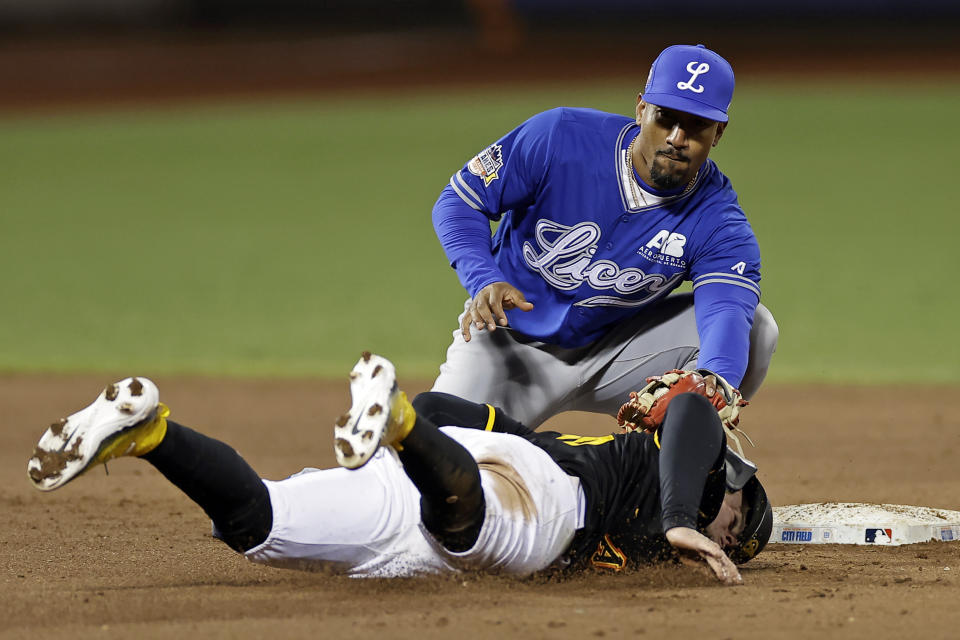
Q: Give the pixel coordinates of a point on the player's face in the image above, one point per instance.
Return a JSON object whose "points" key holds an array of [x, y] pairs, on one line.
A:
{"points": [[672, 145], [729, 522]]}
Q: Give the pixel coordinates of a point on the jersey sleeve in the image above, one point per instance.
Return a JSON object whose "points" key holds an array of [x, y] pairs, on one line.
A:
{"points": [[726, 290], [464, 235], [724, 319], [505, 176]]}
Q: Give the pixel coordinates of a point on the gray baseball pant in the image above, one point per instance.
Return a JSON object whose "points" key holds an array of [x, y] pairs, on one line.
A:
{"points": [[533, 381]]}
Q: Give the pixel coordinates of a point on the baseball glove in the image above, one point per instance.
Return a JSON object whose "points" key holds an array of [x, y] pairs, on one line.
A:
{"points": [[646, 408]]}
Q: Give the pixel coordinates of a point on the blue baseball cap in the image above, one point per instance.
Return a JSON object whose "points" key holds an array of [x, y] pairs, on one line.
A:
{"points": [[692, 79]]}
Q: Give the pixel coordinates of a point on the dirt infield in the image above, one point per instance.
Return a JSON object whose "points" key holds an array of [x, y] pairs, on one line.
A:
{"points": [[128, 555]]}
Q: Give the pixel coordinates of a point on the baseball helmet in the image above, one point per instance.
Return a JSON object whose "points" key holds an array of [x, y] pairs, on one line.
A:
{"points": [[759, 523]]}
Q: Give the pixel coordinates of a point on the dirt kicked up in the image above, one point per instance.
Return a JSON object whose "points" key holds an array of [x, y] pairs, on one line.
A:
{"points": [[126, 554]]}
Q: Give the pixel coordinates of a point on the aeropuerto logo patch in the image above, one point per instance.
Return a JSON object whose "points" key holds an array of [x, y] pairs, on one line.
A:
{"points": [[665, 248], [487, 164]]}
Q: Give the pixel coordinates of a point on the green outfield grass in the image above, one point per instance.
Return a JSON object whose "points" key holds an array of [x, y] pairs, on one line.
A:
{"points": [[283, 238]]}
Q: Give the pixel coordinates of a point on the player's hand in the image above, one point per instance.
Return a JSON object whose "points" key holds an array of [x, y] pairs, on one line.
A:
{"points": [[487, 307], [687, 539]]}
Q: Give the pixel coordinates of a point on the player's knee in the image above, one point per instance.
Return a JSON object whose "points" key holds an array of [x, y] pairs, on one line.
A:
{"points": [[457, 527], [248, 525], [763, 343], [764, 334]]}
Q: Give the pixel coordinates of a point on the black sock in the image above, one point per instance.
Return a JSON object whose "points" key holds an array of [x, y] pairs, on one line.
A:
{"points": [[214, 476], [451, 497]]}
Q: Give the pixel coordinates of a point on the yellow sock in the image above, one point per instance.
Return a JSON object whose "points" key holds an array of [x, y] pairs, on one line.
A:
{"points": [[153, 432], [139, 440], [403, 416]]}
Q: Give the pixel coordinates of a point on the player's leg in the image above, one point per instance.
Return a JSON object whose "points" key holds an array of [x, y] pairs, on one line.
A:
{"points": [[532, 507], [494, 503], [452, 505], [365, 523], [220, 481], [447, 477], [763, 343], [444, 409], [655, 341], [127, 419], [664, 338], [527, 379], [491, 501]]}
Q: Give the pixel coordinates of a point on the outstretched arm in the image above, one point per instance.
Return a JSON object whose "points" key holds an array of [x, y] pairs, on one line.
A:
{"points": [[724, 318], [691, 458]]}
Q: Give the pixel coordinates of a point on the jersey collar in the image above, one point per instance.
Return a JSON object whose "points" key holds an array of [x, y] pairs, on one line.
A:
{"points": [[625, 176]]}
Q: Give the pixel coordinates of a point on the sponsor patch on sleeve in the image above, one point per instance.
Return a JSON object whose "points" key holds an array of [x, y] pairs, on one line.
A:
{"points": [[487, 164]]}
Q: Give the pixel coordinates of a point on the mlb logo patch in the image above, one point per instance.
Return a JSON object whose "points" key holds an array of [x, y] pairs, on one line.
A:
{"points": [[878, 536], [946, 534]]}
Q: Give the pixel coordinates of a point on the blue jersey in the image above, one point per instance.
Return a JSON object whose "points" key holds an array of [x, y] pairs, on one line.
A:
{"points": [[589, 245]]}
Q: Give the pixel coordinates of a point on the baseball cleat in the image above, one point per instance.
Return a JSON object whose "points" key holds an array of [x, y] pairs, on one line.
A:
{"points": [[126, 419], [380, 413]]}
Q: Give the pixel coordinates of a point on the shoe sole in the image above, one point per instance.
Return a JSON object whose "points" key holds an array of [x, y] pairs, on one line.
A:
{"points": [[72, 445], [358, 433]]}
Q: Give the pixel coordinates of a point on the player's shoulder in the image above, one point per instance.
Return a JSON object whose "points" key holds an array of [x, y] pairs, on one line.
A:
{"points": [[721, 222], [719, 202], [587, 116], [579, 119]]}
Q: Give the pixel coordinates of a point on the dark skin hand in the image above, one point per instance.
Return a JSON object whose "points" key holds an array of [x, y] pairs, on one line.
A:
{"points": [[487, 307]]}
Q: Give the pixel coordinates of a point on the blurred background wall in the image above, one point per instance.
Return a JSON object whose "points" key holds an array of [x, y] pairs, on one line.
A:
{"points": [[33, 13], [103, 50]]}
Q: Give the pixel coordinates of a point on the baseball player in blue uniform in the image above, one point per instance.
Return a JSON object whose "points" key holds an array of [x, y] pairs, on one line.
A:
{"points": [[601, 217]]}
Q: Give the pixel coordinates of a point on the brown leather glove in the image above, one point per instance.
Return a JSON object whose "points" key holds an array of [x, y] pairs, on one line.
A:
{"points": [[646, 408]]}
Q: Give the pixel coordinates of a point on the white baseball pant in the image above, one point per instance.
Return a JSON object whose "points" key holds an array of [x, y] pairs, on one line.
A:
{"points": [[366, 522]]}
